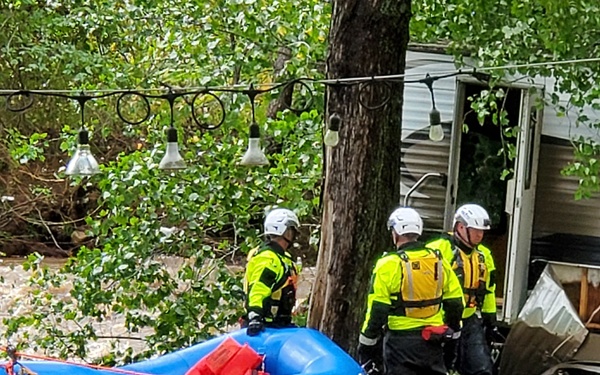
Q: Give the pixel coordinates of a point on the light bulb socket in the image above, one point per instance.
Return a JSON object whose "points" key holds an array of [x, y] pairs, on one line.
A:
{"points": [[83, 138], [172, 135], [334, 122], [435, 118], [254, 131]]}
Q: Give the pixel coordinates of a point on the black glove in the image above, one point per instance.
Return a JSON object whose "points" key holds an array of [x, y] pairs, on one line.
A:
{"points": [[371, 368], [491, 331], [370, 357], [256, 324], [367, 353]]}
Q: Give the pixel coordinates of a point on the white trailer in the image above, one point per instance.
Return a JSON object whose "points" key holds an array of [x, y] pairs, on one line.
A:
{"points": [[534, 213]]}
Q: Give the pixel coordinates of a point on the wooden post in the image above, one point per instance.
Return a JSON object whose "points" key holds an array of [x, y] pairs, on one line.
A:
{"points": [[583, 295]]}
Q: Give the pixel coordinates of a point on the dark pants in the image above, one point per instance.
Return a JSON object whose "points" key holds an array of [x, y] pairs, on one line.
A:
{"points": [[473, 351], [407, 353]]}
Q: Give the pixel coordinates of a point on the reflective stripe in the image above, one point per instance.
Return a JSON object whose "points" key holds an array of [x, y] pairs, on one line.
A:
{"points": [[440, 276], [409, 280], [367, 341]]}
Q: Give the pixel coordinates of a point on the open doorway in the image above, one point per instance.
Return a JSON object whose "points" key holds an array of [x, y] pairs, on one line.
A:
{"points": [[481, 166]]}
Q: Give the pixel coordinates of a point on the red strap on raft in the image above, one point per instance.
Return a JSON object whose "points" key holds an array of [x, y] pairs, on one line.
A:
{"points": [[229, 358]]}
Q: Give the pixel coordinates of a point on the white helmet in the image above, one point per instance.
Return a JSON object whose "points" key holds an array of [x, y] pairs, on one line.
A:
{"points": [[405, 220], [280, 219], [472, 216]]}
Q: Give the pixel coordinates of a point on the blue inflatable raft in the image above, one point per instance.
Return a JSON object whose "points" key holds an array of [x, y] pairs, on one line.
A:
{"points": [[287, 351]]}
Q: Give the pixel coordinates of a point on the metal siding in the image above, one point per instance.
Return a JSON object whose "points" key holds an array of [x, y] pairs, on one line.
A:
{"points": [[419, 154], [565, 127], [418, 59], [556, 210]]}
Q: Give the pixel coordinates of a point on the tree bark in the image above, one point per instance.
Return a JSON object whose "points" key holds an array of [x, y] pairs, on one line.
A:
{"points": [[362, 173], [285, 98]]}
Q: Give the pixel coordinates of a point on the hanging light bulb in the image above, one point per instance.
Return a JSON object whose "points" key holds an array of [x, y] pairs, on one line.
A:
{"points": [[332, 137], [172, 159], [83, 163], [436, 131], [254, 154]]}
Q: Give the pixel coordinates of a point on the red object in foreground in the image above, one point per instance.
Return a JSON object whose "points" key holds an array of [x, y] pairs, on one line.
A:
{"points": [[229, 358], [433, 333]]}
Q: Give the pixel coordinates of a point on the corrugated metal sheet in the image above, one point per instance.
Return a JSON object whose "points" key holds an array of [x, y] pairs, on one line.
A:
{"points": [[548, 330], [556, 210]]}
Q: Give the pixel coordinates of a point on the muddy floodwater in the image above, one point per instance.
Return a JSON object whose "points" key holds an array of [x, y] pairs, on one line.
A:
{"points": [[14, 291]]}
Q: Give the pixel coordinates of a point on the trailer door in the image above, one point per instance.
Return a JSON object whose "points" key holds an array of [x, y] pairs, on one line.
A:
{"points": [[520, 204]]}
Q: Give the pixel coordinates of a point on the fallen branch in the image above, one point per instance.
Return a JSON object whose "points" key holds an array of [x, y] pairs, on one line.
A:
{"points": [[48, 229], [56, 223], [41, 178]]}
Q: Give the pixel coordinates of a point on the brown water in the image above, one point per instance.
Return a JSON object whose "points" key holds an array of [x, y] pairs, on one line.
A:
{"points": [[14, 293]]}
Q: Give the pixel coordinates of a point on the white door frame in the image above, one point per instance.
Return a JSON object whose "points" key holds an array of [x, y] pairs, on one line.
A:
{"points": [[520, 195], [521, 204]]}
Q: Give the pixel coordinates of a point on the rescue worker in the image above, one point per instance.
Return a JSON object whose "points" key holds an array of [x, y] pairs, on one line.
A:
{"points": [[473, 264], [271, 275], [418, 299]]}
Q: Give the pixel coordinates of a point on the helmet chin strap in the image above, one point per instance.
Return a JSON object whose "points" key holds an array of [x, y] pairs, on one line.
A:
{"points": [[468, 240], [289, 242]]}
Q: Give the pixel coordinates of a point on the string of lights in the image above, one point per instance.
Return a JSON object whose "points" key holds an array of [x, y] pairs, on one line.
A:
{"points": [[84, 163], [350, 80]]}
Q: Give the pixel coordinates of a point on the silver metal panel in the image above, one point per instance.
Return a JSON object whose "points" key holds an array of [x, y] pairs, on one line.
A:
{"points": [[416, 59], [556, 210], [548, 306], [548, 330]]}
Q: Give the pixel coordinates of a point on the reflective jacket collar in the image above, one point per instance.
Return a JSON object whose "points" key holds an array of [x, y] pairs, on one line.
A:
{"points": [[461, 245], [275, 247], [414, 245]]}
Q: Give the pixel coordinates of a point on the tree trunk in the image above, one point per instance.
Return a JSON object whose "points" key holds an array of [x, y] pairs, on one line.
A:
{"points": [[362, 173]]}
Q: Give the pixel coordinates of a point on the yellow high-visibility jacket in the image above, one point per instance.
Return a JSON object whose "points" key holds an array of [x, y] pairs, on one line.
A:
{"points": [[270, 283], [476, 272], [411, 288]]}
